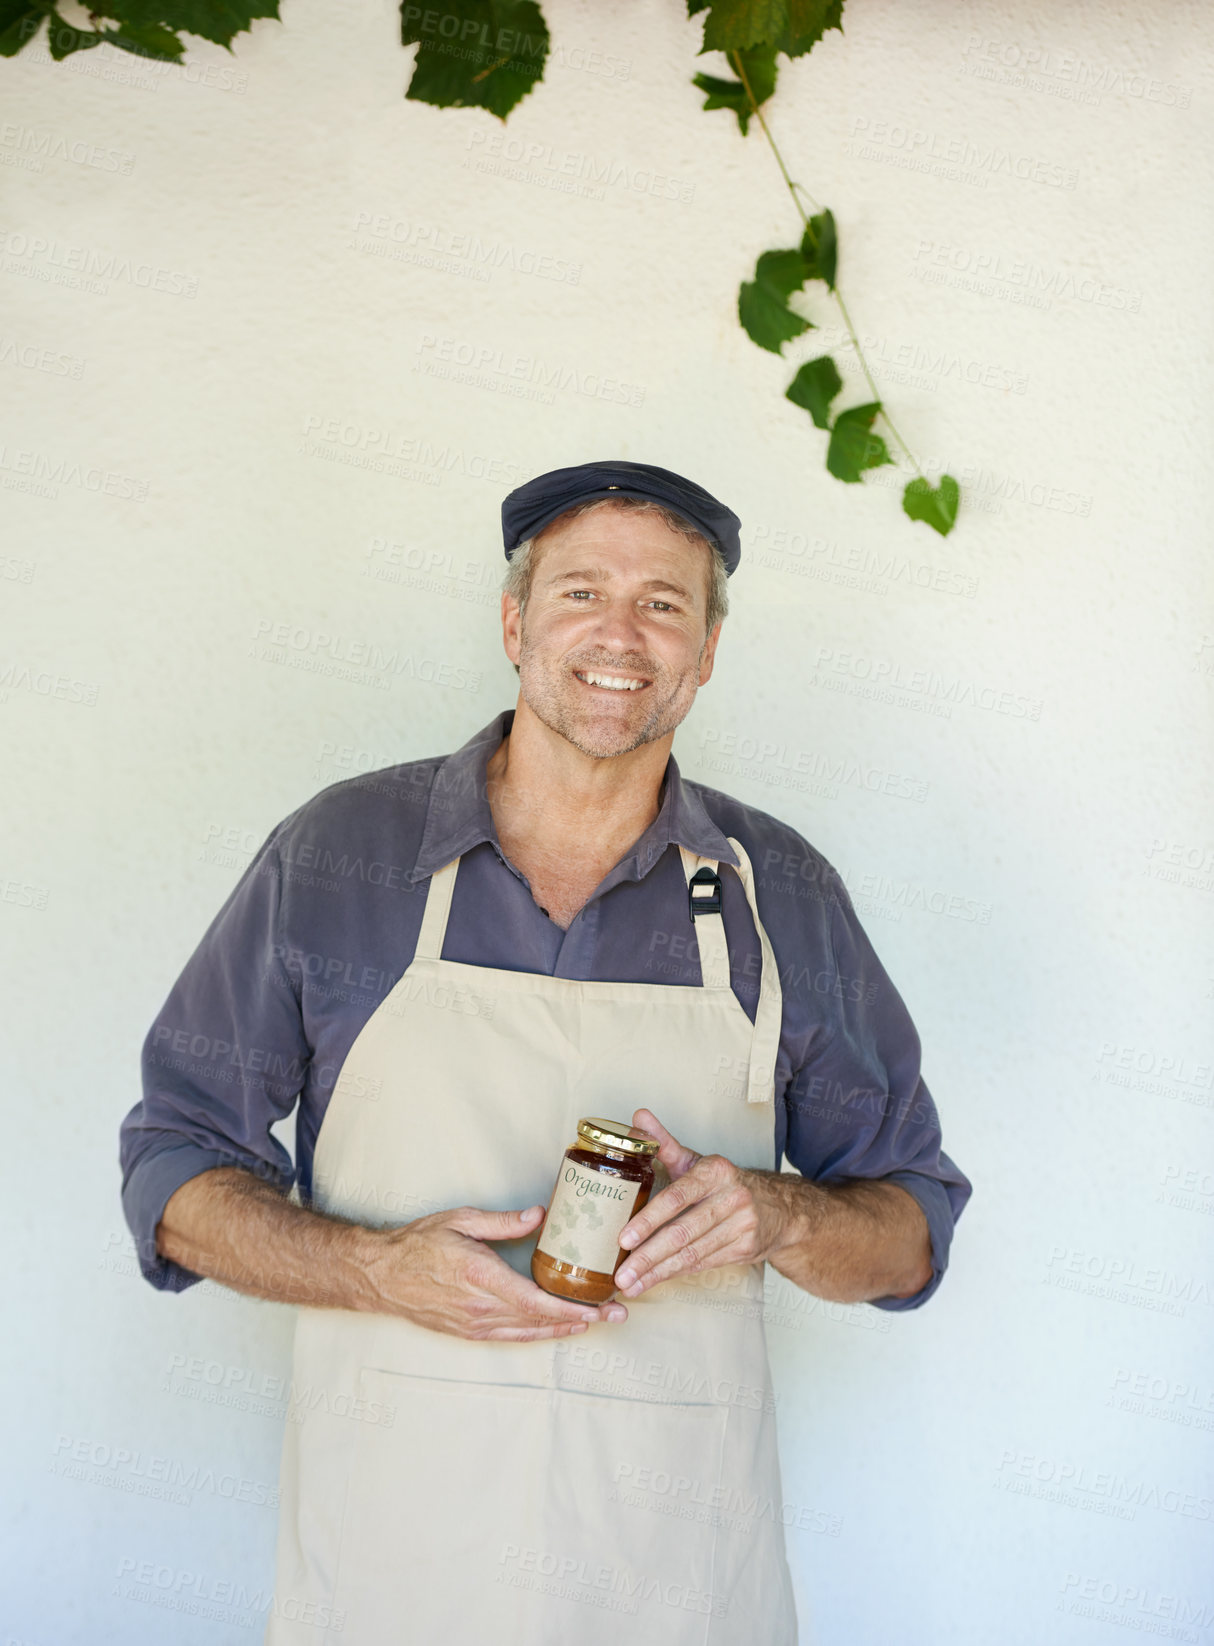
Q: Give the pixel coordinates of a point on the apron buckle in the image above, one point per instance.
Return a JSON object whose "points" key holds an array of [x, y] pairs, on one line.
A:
{"points": [[708, 901]]}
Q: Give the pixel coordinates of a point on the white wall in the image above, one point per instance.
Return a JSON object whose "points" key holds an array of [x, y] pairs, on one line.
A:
{"points": [[1037, 1439]]}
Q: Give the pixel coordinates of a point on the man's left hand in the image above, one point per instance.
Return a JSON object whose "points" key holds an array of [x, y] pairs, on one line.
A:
{"points": [[710, 1214]]}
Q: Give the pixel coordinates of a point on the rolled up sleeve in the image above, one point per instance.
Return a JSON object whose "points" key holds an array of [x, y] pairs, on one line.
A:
{"points": [[225, 1058], [858, 1106]]}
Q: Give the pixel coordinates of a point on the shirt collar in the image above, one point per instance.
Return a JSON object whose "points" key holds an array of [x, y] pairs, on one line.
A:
{"points": [[458, 815]]}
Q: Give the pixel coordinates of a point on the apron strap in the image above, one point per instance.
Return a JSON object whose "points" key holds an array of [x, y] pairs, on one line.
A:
{"points": [[434, 916], [714, 969], [709, 928], [769, 1014]]}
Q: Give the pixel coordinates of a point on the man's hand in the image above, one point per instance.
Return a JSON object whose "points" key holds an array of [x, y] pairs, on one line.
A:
{"points": [[233, 1227], [437, 1272], [708, 1215], [848, 1242]]}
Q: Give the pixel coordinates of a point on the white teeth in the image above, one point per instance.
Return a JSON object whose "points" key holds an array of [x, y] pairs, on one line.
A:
{"points": [[614, 682]]}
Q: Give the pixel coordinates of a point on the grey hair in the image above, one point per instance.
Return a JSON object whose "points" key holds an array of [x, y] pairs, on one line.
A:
{"points": [[521, 567]]}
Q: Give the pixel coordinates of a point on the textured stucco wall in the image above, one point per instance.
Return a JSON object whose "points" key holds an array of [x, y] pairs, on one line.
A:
{"points": [[1030, 256]]}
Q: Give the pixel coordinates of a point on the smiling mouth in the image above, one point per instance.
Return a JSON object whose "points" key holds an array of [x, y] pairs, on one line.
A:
{"points": [[621, 683]]}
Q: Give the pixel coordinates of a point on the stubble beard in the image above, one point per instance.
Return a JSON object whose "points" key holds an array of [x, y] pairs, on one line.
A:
{"points": [[548, 689]]}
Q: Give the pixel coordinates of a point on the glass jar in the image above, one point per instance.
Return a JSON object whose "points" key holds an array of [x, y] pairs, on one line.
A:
{"points": [[604, 1179]]}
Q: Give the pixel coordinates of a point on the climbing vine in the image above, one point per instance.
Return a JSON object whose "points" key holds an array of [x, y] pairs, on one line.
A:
{"points": [[490, 54], [752, 34]]}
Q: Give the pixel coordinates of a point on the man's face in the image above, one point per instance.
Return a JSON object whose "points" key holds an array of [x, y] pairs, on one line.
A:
{"points": [[612, 649]]}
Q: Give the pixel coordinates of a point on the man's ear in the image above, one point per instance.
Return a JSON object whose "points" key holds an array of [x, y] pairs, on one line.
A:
{"points": [[709, 653], [512, 628]]}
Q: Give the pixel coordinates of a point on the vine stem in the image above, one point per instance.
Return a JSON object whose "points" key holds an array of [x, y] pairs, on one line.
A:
{"points": [[736, 59]]}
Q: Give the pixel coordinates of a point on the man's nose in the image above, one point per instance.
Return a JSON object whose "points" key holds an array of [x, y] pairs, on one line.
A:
{"points": [[620, 626]]}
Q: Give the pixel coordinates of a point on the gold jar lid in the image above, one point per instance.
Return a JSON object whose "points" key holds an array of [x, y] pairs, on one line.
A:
{"points": [[617, 1134]]}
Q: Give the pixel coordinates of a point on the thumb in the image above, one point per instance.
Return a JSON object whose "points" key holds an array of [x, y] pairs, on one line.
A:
{"points": [[672, 1154], [482, 1225]]}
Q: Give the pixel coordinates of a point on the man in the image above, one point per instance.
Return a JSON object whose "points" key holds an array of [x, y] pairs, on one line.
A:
{"points": [[447, 965]]}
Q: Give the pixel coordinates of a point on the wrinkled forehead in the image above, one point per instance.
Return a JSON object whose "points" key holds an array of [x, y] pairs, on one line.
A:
{"points": [[617, 545]]}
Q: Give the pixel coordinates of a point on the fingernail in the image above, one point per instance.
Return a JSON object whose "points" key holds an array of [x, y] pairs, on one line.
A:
{"points": [[616, 1313], [625, 1276], [579, 1326]]}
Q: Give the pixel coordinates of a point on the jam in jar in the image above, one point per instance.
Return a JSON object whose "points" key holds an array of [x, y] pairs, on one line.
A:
{"points": [[604, 1180]]}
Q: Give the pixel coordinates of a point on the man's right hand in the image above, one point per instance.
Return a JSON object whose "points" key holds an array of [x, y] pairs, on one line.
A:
{"points": [[233, 1227], [438, 1272]]}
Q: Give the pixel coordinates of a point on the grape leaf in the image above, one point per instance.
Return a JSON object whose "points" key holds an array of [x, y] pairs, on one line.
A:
{"points": [[820, 248], [733, 25], [149, 40], [12, 11], [936, 506], [490, 60], [20, 21], [808, 21], [791, 26], [145, 21], [814, 387], [852, 447], [759, 67], [63, 39], [763, 303]]}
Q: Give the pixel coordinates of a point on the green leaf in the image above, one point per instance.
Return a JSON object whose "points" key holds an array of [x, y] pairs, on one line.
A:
{"points": [[12, 11], [791, 26], [485, 54], [763, 303], [814, 387], [150, 26], [808, 21], [734, 25], [820, 248], [852, 447], [759, 67], [147, 40], [64, 38], [935, 505], [20, 21]]}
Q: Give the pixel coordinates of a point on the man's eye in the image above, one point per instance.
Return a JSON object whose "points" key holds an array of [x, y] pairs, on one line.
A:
{"points": [[576, 592], [665, 604]]}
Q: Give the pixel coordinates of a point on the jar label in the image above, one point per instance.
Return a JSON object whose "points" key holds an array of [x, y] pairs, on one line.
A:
{"points": [[587, 1213]]}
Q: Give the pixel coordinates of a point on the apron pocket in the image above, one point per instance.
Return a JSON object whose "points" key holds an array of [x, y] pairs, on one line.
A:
{"points": [[529, 1516], [631, 1492]]}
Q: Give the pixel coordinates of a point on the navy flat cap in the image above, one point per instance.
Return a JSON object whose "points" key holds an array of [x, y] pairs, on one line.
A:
{"points": [[531, 507]]}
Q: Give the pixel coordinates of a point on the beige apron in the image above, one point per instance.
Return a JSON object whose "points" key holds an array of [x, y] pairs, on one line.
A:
{"points": [[621, 1483]]}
